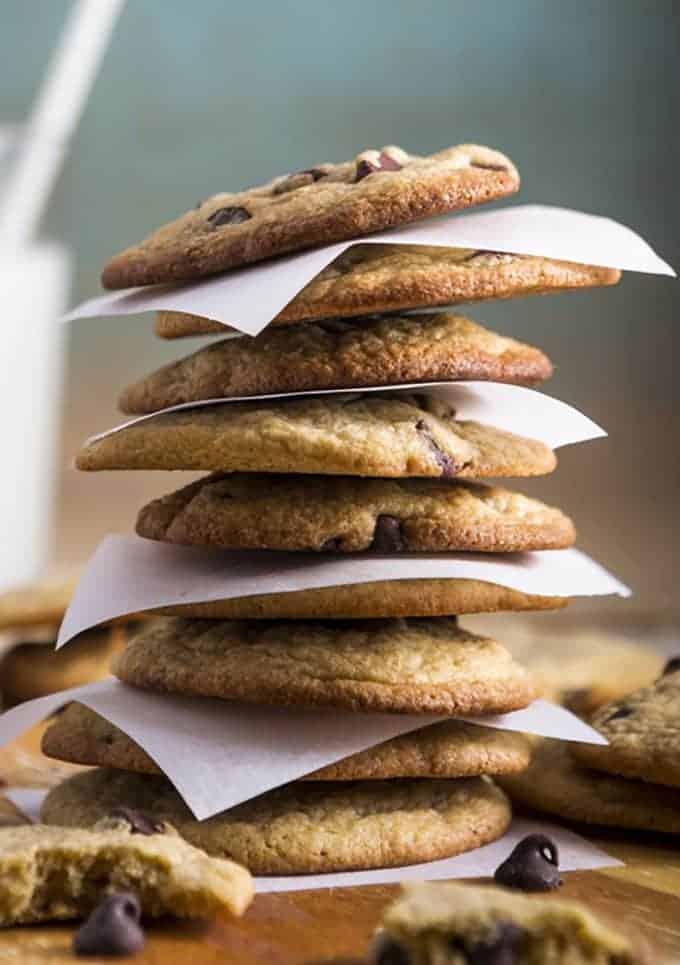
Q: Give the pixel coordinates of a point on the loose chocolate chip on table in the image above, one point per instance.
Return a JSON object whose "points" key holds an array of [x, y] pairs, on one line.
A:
{"points": [[384, 163], [502, 948], [140, 823], [387, 535], [533, 865], [671, 666], [113, 928], [387, 951], [621, 712], [231, 215]]}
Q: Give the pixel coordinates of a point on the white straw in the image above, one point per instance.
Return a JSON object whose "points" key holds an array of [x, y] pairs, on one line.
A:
{"points": [[57, 110]]}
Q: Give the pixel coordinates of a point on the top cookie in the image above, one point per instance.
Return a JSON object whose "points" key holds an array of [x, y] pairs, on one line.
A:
{"points": [[369, 279], [326, 203], [643, 730]]}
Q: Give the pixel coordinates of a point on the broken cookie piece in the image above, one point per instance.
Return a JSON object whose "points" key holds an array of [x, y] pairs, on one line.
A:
{"points": [[49, 873]]}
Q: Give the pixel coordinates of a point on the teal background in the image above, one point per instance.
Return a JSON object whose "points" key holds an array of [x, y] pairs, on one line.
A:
{"points": [[584, 96]]}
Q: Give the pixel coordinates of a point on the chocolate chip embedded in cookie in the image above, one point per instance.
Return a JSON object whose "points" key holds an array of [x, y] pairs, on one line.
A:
{"points": [[341, 354], [555, 783], [363, 435], [347, 515], [367, 279], [49, 874], [401, 666], [433, 923], [306, 828], [330, 202], [449, 749], [643, 730]]}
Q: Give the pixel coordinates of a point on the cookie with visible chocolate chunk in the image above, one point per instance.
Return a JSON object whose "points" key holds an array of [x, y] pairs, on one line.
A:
{"points": [[305, 828], [359, 435], [643, 730], [399, 666], [326, 203], [341, 354], [345, 514], [555, 783], [378, 599], [452, 748], [50, 874], [366, 279], [437, 923]]}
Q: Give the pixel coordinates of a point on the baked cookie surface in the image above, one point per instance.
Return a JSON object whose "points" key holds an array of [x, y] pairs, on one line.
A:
{"points": [[346, 514], [556, 784], [379, 599], [448, 749], [305, 828], [327, 203], [356, 435], [643, 730], [457, 924], [368, 279], [51, 873], [340, 354], [403, 666]]}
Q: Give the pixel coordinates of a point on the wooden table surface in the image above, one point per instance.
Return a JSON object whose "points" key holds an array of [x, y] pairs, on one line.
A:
{"points": [[334, 926]]}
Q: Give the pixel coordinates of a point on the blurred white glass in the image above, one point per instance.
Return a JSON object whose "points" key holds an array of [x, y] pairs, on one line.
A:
{"points": [[34, 285]]}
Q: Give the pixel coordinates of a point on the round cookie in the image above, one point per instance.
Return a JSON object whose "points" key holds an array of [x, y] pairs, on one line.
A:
{"points": [[452, 748], [345, 514], [643, 730], [414, 666], [368, 279], [556, 784], [339, 354], [305, 828], [369, 435], [323, 204], [379, 599], [30, 670]]}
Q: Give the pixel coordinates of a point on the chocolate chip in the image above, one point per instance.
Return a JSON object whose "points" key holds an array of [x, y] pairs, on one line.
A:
{"points": [[112, 929], [621, 712], [387, 535], [232, 215], [387, 951], [501, 948], [672, 666], [488, 167], [384, 163], [140, 823], [444, 461], [330, 545], [533, 865]]}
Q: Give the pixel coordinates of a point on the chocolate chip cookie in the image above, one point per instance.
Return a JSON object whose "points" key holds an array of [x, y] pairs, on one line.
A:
{"points": [[449, 749], [305, 828], [346, 515], [461, 924], [369, 435], [366, 279], [323, 204], [48, 874], [338, 355], [555, 783], [402, 666], [643, 730]]}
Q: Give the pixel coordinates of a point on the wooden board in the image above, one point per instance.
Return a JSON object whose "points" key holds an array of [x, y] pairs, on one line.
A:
{"points": [[334, 926]]}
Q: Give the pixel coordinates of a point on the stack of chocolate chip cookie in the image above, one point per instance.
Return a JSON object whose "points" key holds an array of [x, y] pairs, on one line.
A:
{"points": [[356, 472]]}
